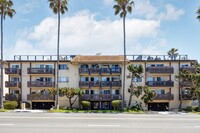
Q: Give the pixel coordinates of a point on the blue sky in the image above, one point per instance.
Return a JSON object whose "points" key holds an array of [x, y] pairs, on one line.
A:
{"points": [[90, 27]]}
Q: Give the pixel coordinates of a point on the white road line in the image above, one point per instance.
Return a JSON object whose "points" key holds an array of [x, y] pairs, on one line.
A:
{"points": [[103, 125], [197, 126], [7, 124]]}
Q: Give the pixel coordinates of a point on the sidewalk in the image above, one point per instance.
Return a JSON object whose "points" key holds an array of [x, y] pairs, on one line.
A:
{"points": [[29, 111]]}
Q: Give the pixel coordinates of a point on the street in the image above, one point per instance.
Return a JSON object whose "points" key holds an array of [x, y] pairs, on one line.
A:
{"points": [[98, 123]]}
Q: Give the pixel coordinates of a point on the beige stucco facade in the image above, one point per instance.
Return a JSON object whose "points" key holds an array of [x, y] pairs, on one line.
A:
{"points": [[72, 76]]}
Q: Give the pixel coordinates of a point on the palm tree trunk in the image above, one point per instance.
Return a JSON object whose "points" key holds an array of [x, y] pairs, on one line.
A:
{"points": [[199, 104], [1, 90], [123, 89], [57, 70], [130, 99], [181, 100]]}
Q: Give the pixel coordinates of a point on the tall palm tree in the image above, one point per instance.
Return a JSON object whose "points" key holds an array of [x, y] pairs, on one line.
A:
{"points": [[135, 72], [198, 14], [173, 53], [123, 7], [5, 10], [58, 7], [184, 81]]}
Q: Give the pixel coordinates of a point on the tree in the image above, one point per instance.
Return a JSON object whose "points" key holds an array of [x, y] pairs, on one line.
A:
{"points": [[121, 8], [198, 14], [184, 81], [70, 92], [135, 72], [148, 95], [173, 53], [5, 10], [58, 7]]}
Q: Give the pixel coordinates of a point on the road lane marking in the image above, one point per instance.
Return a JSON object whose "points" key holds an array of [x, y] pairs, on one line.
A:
{"points": [[103, 125], [4, 124], [197, 126]]}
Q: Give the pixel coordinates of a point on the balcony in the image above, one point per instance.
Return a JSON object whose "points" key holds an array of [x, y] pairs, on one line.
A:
{"points": [[116, 84], [94, 84], [116, 70], [13, 71], [105, 71], [84, 84], [190, 69], [94, 71], [164, 97], [11, 84], [40, 71], [13, 97], [161, 70], [40, 84], [106, 83], [160, 83], [100, 97], [33, 97], [83, 71]]}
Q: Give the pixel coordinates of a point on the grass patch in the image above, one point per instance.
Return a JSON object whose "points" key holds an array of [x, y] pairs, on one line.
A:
{"points": [[94, 111], [3, 110]]}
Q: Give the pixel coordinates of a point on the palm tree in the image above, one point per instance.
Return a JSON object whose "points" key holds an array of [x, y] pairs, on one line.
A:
{"points": [[198, 14], [58, 7], [135, 72], [121, 8], [184, 81], [173, 53], [5, 10]]}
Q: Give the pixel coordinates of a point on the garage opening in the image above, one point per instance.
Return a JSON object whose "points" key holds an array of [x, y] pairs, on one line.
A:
{"points": [[42, 105], [158, 106]]}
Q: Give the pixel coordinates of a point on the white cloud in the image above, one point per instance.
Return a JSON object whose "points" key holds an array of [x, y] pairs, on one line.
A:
{"points": [[84, 34], [108, 2], [172, 13], [28, 6]]}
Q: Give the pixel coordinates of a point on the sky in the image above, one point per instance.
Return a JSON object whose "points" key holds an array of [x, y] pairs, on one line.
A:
{"points": [[90, 27]]}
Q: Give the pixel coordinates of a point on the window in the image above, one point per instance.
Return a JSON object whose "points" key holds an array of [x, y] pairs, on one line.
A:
{"points": [[160, 91], [117, 78], [94, 79], [63, 67], [105, 79], [44, 79], [14, 66], [63, 79], [86, 91], [44, 66], [117, 92], [137, 79], [184, 65], [84, 78], [15, 79], [160, 65], [105, 91]]}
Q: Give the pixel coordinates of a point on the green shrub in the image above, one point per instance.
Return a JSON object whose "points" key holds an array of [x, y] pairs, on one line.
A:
{"points": [[137, 106], [116, 104], [196, 109], [188, 109], [10, 105], [85, 104]]}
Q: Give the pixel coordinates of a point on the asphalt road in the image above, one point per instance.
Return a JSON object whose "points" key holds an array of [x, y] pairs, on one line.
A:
{"points": [[97, 123]]}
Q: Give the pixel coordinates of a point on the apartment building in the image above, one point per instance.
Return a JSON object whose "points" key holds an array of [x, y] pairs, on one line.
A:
{"points": [[100, 77]]}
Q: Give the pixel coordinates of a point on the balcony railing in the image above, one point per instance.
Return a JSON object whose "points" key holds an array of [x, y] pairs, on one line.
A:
{"points": [[116, 84], [40, 71], [32, 97], [100, 97], [94, 84], [84, 70], [164, 97], [12, 71], [105, 71], [84, 84], [160, 83], [10, 84], [191, 69], [13, 97], [40, 84], [94, 71], [162, 70], [106, 83], [115, 70]]}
